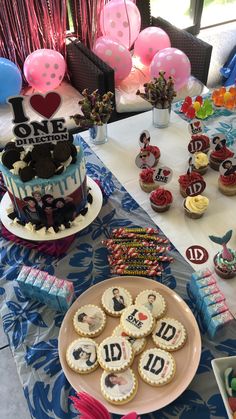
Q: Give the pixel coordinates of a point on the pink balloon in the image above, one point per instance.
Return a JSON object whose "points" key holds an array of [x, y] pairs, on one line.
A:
{"points": [[149, 42], [44, 69], [175, 63], [115, 55], [121, 20]]}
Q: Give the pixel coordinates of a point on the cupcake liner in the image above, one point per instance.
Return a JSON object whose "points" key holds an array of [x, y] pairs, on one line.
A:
{"points": [[183, 192], [214, 164], [226, 190], [190, 214], [147, 187], [202, 170], [225, 275], [159, 208]]}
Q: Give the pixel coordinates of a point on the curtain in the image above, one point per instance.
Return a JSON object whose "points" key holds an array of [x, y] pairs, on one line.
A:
{"points": [[27, 25]]}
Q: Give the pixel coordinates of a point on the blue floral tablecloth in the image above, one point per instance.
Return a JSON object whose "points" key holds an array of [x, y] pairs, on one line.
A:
{"points": [[32, 328]]}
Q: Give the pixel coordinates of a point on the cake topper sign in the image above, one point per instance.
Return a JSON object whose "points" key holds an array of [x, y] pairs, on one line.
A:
{"points": [[38, 132]]}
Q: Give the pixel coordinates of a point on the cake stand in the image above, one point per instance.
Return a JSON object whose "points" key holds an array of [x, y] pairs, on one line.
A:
{"points": [[22, 232]]}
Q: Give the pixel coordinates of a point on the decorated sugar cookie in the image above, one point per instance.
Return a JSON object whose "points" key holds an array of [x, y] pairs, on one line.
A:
{"points": [[169, 334], [81, 355], [119, 388], [115, 300], [156, 367], [89, 320], [115, 354], [137, 321], [153, 301], [138, 345]]}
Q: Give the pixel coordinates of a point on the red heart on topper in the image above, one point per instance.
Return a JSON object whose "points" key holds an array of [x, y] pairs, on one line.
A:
{"points": [[124, 334], [46, 105], [142, 316], [166, 172], [197, 124]]}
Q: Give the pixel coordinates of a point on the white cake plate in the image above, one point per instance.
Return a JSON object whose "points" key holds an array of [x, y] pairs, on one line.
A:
{"points": [[22, 232]]}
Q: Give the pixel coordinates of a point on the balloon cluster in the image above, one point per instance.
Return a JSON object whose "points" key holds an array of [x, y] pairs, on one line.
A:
{"points": [[120, 23], [44, 70]]}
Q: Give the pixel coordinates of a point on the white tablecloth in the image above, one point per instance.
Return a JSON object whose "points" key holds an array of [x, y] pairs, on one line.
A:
{"points": [[119, 153]]}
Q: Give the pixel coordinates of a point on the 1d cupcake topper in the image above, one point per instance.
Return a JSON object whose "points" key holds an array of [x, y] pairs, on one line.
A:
{"points": [[38, 132], [197, 186], [228, 167], [196, 127], [218, 141], [162, 175], [146, 157]]}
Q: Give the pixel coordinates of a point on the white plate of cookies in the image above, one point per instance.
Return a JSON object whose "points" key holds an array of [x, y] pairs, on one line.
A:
{"points": [[131, 343]]}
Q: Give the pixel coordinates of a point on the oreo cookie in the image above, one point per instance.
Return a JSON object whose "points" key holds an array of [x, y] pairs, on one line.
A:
{"points": [[90, 198], [73, 150], [41, 151], [84, 211], [62, 151], [28, 157], [27, 173], [45, 168], [9, 157], [12, 215], [59, 170], [12, 145]]}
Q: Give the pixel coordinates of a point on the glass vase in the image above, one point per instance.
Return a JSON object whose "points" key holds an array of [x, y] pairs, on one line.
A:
{"points": [[98, 134], [161, 117]]}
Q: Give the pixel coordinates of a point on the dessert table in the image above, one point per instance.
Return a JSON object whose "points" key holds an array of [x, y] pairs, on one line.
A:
{"points": [[32, 328]]}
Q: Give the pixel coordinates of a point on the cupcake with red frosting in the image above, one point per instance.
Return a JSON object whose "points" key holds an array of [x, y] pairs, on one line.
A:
{"points": [[218, 156], [161, 200], [227, 184], [146, 181], [155, 151], [205, 141], [186, 180]]}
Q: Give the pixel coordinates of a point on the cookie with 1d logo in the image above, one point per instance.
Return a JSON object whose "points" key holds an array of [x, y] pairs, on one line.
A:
{"points": [[169, 334], [137, 321], [115, 354], [156, 367]]}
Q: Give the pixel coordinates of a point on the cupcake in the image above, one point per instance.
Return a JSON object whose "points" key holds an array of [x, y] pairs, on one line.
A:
{"points": [[155, 151], [218, 156], [161, 200], [200, 163], [225, 260], [227, 184], [146, 180], [195, 206], [186, 180], [223, 267], [205, 141]]}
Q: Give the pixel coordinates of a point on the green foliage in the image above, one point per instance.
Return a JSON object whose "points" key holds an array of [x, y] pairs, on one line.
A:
{"points": [[159, 92], [96, 109]]}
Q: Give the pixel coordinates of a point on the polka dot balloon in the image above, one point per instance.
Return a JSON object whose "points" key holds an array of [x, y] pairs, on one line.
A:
{"points": [[149, 42], [115, 55], [175, 63], [121, 20], [44, 69]]}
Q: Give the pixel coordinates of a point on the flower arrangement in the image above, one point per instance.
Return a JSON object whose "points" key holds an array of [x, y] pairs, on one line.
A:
{"points": [[96, 109], [159, 92]]}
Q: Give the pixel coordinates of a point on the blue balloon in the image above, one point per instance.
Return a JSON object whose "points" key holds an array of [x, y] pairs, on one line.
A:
{"points": [[10, 79]]}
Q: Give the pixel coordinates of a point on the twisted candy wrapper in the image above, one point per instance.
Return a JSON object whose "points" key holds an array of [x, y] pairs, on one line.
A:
{"points": [[90, 408]]}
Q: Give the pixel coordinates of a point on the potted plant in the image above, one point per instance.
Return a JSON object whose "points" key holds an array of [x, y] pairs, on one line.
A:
{"points": [[96, 111], [160, 93]]}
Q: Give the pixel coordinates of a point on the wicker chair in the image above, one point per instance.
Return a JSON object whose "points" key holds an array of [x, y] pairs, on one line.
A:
{"points": [[86, 70]]}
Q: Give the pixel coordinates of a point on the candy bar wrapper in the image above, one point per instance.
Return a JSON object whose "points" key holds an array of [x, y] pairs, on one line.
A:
{"points": [[203, 292], [213, 299], [65, 295], [201, 274], [212, 310], [205, 282], [218, 322], [25, 270], [52, 299], [29, 282], [38, 283], [45, 288]]}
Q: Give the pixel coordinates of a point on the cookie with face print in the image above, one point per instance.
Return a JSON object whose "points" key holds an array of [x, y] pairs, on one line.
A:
{"points": [[115, 300], [137, 321], [89, 320], [156, 367], [81, 355], [138, 345], [115, 354], [119, 388], [169, 334], [153, 301]]}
